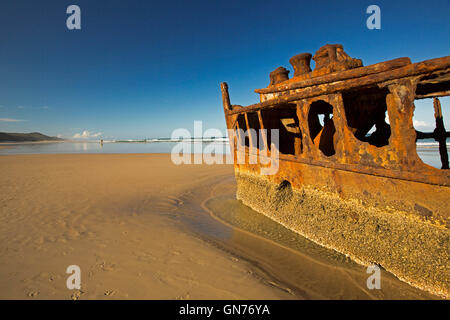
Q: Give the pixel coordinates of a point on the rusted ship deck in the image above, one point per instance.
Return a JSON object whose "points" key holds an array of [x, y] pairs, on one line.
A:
{"points": [[349, 175]]}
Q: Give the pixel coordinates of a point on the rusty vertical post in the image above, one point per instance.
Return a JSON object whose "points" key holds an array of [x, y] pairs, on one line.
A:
{"points": [[439, 133], [225, 96], [252, 143], [298, 145], [238, 129], [263, 132], [227, 107]]}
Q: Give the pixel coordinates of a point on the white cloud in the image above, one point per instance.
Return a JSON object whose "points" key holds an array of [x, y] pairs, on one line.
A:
{"points": [[86, 135], [10, 120], [419, 124]]}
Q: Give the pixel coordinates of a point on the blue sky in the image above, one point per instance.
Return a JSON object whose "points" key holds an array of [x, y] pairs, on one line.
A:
{"points": [[144, 68]]}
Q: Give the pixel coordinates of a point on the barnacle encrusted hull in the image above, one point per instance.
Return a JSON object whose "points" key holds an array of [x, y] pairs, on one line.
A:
{"points": [[411, 248]]}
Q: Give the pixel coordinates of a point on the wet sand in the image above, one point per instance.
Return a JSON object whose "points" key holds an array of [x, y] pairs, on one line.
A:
{"points": [[141, 227]]}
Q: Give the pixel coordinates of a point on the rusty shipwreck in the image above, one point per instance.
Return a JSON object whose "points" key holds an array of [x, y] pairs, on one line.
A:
{"points": [[349, 175]]}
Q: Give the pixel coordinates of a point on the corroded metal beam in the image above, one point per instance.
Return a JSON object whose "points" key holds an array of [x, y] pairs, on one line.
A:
{"points": [[433, 95], [440, 133], [424, 67], [339, 76]]}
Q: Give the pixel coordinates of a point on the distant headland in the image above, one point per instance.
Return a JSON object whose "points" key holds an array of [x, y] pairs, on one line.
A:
{"points": [[26, 137]]}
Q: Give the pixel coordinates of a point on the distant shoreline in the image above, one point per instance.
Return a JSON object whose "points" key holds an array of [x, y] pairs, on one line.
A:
{"points": [[26, 137], [33, 142], [420, 144]]}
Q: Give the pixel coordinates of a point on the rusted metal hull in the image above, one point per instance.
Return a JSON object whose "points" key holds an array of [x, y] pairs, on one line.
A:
{"points": [[369, 218], [365, 194]]}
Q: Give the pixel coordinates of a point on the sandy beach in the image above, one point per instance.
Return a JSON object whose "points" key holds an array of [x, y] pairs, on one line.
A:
{"points": [[141, 227]]}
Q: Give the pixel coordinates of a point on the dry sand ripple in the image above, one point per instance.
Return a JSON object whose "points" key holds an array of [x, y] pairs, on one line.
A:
{"points": [[115, 217], [138, 228]]}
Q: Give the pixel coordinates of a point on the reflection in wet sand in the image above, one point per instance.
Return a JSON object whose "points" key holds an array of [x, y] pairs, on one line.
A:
{"points": [[298, 265]]}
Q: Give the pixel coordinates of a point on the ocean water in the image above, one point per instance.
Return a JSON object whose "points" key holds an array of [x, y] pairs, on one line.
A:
{"points": [[113, 147], [427, 149]]}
